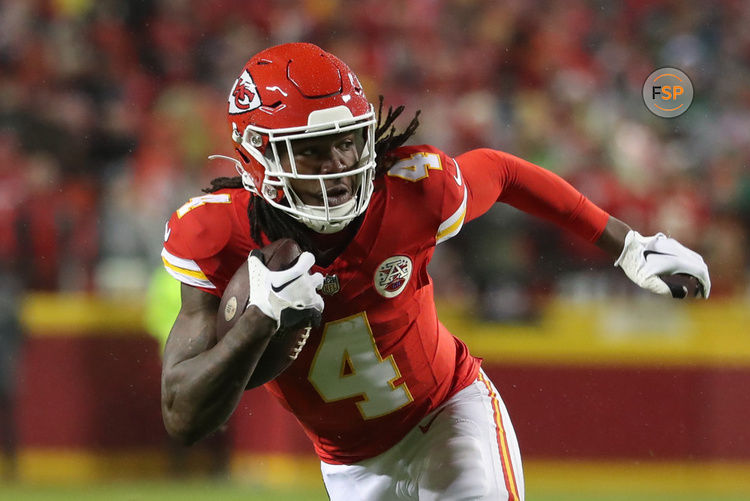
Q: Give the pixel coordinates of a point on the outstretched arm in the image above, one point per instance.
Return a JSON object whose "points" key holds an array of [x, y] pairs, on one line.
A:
{"points": [[650, 262]]}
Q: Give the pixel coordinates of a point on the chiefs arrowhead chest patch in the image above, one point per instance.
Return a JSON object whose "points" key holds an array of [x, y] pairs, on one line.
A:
{"points": [[392, 275]]}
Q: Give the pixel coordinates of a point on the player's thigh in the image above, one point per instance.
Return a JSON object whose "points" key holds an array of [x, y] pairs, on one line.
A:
{"points": [[472, 452], [357, 482]]}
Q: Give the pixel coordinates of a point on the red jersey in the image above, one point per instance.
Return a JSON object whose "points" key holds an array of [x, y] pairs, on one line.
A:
{"points": [[380, 360]]}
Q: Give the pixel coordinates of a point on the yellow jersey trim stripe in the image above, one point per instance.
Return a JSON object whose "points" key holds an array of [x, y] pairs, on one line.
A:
{"points": [[180, 263], [185, 270], [194, 274], [451, 226], [186, 279]]}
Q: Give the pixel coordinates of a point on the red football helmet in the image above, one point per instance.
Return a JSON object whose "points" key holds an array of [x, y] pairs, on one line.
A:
{"points": [[296, 91]]}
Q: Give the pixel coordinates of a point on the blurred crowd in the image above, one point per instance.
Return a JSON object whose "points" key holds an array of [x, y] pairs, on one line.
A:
{"points": [[108, 110]]}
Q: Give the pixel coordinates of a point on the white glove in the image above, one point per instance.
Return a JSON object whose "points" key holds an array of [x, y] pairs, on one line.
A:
{"points": [[295, 288], [644, 258]]}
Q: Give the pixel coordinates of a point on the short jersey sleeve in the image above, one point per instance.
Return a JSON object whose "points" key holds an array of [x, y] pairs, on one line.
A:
{"points": [[195, 235], [432, 182]]}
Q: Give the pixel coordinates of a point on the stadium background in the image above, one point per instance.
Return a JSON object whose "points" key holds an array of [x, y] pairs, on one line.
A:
{"points": [[109, 109]]}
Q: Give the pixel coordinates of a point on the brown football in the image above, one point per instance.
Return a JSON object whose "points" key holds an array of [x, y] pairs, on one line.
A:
{"points": [[284, 345]]}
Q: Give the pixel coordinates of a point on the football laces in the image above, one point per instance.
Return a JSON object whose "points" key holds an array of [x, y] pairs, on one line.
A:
{"points": [[300, 343]]}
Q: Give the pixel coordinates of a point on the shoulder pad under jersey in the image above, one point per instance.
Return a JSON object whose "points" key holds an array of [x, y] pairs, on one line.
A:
{"points": [[435, 185], [201, 227]]}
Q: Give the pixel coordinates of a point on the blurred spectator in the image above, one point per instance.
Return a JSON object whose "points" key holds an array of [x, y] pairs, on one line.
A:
{"points": [[12, 282], [11, 337], [10, 343]]}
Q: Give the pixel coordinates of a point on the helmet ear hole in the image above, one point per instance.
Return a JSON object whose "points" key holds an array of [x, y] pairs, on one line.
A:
{"points": [[245, 158]]}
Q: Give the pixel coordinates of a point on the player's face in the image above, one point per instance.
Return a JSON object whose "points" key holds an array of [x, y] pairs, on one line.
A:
{"points": [[332, 154]]}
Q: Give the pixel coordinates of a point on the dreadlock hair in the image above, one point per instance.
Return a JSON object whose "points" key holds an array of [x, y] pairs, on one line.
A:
{"points": [[386, 137], [277, 224]]}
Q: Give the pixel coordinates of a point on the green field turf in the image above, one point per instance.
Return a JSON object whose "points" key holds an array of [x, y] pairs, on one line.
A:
{"points": [[194, 490], [189, 490]]}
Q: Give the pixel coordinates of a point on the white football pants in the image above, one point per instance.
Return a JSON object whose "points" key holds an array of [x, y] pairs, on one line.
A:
{"points": [[465, 449]]}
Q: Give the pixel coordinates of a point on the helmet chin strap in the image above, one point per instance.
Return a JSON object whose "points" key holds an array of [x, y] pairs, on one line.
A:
{"points": [[326, 227]]}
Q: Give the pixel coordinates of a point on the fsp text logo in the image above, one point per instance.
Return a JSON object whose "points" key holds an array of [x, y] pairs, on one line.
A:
{"points": [[668, 92]]}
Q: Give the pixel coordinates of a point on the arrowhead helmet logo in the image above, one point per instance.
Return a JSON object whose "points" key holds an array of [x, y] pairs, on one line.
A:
{"points": [[244, 95]]}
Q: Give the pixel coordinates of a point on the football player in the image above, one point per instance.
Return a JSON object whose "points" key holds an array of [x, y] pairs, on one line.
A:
{"points": [[396, 406]]}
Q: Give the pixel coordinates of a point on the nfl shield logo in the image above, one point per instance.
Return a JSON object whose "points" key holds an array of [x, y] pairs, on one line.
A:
{"points": [[330, 285]]}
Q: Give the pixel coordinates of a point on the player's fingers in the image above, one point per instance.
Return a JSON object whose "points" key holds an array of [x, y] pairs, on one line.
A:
{"points": [[671, 246], [305, 261], [705, 282], [317, 280], [671, 265], [656, 264], [318, 303], [672, 257]]}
